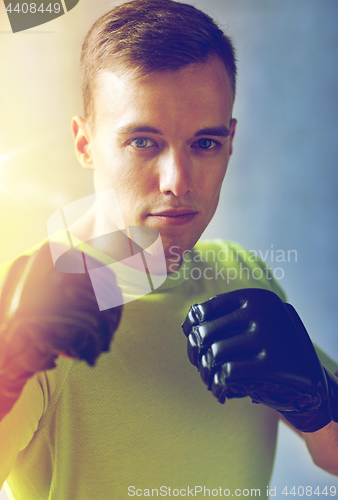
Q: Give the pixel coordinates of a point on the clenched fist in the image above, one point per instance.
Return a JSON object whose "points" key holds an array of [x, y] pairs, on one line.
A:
{"points": [[249, 343], [45, 312]]}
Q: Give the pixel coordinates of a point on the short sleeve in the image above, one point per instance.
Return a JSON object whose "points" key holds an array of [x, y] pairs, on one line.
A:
{"points": [[18, 426]]}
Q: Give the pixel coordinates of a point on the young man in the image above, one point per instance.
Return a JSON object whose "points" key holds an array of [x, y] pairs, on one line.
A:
{"points": [[158, 87]]}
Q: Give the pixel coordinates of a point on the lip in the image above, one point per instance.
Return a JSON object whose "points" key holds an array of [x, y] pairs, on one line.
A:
{"points": [[174, 212], [174, 216]]}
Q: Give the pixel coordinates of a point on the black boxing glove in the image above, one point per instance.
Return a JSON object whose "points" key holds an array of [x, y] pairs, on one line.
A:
{"points": [[249, 343], [44, 313]]}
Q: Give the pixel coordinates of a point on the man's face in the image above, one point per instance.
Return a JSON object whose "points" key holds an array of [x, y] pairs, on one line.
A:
{"points": [[163, 143]]}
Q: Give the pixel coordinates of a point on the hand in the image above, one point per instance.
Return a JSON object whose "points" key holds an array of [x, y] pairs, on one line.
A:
{"points": [[249, 343], [43, 313]]}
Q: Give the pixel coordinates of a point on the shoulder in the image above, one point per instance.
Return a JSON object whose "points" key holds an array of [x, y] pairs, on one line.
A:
{"points": [[7, 265]]}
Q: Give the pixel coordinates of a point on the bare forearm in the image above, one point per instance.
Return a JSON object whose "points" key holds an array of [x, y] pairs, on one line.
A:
{"points": [[323, 447]]}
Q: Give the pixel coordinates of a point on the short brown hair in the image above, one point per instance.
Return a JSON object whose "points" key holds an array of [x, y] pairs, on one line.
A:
{"points": [[152, 36]]}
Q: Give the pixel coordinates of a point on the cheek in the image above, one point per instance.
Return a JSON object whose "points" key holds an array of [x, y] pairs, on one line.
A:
{"points": [[210, 193], [210, 184], [109, 168]]}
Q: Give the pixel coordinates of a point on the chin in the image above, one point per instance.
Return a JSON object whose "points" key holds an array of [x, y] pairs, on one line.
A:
{"points": [[174, 251]]}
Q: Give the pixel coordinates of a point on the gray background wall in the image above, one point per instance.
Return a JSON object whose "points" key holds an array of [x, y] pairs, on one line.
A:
{"points": [[280, 189]]}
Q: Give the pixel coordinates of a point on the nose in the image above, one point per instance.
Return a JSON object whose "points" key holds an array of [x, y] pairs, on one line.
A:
{"points": [[175, 176]]}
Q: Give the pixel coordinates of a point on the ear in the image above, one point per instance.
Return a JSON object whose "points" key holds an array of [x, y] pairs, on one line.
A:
{"points": [[81, 136], [233, 123]]}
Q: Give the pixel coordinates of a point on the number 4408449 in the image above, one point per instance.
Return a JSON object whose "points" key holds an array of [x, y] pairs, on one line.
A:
{"points": [[308, 491], [32, 8]]}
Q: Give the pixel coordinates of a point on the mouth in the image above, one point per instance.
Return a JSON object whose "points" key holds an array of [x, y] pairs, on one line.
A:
{"points": [[174, 217]]}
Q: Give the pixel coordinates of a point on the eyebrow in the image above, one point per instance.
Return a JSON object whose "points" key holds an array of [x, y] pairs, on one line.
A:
{"points": [[132, 129], [221, 131]]}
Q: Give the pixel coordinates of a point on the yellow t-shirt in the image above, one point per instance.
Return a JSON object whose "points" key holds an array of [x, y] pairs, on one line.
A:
{"points": [[141, 422]]}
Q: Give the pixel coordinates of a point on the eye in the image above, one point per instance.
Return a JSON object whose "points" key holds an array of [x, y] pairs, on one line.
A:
{"points": [[142, 143], [205, 144]]}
